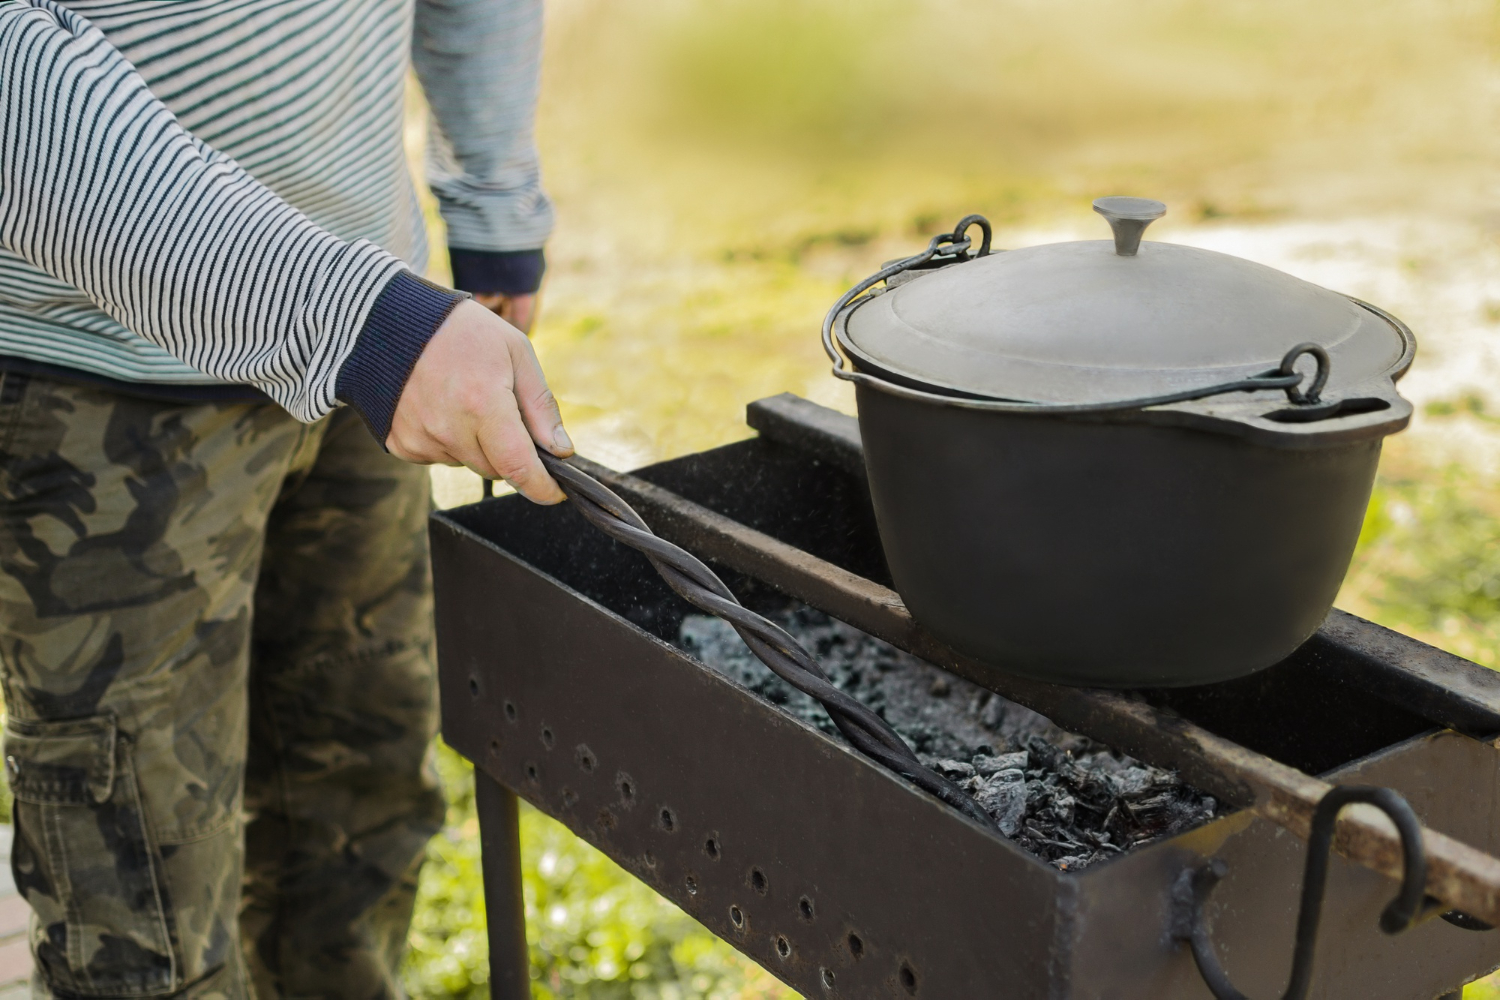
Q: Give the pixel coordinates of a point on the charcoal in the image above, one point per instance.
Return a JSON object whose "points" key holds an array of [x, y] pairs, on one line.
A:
{"points": [[1004, 796], [992, 711], [955, 769], [1069, 800], [987, 765]]}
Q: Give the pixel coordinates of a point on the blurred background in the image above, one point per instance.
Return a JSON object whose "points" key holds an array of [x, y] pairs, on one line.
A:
{"points": [[723, 169]]}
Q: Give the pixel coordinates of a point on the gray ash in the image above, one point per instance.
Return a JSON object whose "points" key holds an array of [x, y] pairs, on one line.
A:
{"points": [[1064, 797]]}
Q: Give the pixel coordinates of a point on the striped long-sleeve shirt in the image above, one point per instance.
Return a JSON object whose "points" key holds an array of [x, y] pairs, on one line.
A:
{"points": [[214, 192]]}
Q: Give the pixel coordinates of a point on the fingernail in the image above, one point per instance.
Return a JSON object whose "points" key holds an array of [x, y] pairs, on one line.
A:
{"points": [[560, 439]]}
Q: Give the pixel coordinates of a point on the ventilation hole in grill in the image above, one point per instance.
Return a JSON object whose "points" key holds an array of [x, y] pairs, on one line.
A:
{"points": [[650, 860], [569, 797], [711, 847], [736, 916], [783, 946], [668, 820], [828, 978], [691, 884], [510, 711], [626, 785], [606, 819], [856, 946], [547, 738], [805, 907], [758, 881], [474, 686], [532, 774], [586, 759], [908, 979], [495, 747]]}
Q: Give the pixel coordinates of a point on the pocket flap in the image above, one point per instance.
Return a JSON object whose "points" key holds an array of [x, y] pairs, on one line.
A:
{"points": [[71, 762]]}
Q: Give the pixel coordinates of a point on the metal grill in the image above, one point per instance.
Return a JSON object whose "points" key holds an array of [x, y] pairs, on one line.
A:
{"points": [[846, 881]]}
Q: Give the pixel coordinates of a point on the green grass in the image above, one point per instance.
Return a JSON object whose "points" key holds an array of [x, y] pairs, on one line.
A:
{"points": [[1428, 562]]}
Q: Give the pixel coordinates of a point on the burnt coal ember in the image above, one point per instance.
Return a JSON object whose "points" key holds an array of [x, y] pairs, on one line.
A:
{"points": [[1069, 800]]}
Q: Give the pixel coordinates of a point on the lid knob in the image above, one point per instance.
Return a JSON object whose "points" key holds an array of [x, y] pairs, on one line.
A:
{"points": [[1129, 217]]}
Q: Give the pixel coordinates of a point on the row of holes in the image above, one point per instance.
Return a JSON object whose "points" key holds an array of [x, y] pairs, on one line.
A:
{"points": [[588, 762]]}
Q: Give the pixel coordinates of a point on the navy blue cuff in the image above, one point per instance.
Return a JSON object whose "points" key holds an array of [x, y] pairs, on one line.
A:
{"points": [[497, 272], [405, 316]]}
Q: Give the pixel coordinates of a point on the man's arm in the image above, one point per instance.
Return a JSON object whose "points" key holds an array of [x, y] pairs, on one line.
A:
{"points": [[102, 188], [479, 63]]}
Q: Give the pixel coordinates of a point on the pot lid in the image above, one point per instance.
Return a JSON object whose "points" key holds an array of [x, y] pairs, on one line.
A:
{"points": [[1106, 320]]}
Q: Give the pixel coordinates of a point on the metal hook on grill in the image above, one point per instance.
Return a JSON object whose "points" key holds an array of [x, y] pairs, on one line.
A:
{"points": [[701, 587], [1411, 905]]}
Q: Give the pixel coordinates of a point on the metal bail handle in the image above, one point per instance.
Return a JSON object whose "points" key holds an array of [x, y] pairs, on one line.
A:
{"points": [[1314, 393]]}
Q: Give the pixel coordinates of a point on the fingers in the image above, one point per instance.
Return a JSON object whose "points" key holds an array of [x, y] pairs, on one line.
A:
{"points": [[501, 451], [517, 310], [520, 312], [507, 448], [538, 407], [417, 447]]}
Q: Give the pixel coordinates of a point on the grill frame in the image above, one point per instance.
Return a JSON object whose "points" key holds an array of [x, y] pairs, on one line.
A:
{"points": [[535, 609]]}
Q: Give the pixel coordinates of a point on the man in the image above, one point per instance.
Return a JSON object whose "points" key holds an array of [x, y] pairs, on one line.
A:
{"points": [[214, 596]]}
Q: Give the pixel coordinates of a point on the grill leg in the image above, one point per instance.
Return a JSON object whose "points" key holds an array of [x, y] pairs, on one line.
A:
{"points": [[500, 839]]}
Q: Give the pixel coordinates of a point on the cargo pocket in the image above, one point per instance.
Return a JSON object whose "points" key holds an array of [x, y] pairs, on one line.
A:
{"points": [[83, 859]]}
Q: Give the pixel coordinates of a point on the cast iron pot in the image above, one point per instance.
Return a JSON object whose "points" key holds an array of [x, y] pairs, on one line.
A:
{"points": [[1114, 463]]}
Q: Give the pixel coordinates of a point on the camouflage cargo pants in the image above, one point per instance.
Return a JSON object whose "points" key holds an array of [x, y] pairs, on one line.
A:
{"points": [[215, 635]]}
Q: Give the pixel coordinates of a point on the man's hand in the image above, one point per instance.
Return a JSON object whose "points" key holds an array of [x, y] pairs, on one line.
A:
{"points": [[517, 310], [477, 397]]}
